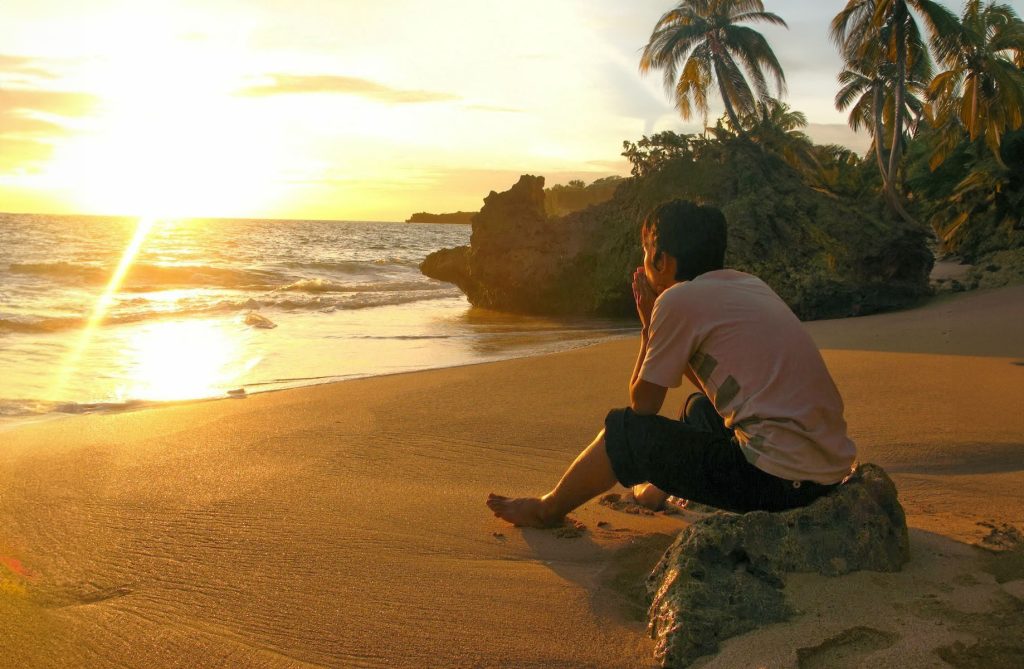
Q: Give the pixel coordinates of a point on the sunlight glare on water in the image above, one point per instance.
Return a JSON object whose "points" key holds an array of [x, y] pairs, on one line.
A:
{"points": [[97, 313], [179, 360]]}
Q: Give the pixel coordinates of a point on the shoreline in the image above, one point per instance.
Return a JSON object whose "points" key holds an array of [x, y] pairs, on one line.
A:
{"points": [[12, 422], [343, 524], [828, 334]]}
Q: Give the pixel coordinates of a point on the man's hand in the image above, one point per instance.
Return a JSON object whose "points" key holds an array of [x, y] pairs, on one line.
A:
{"points": [[644, 296]]}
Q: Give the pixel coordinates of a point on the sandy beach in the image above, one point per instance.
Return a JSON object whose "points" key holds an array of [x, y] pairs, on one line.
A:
{"points": [[343, 525]]}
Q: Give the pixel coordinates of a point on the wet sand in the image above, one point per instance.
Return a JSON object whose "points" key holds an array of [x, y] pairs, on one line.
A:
{"points": [[344, 525]]}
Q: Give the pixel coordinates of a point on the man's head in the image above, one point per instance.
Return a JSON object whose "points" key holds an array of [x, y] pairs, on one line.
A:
{"points": [[684, 234]]}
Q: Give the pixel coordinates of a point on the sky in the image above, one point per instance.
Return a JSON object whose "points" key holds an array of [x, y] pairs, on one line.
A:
{"points": [[344, 109]]}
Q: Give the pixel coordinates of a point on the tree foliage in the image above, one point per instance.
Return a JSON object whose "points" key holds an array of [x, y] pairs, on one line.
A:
{"points": [[700, 44], [575, 195], [940, 94], [981, 91]]}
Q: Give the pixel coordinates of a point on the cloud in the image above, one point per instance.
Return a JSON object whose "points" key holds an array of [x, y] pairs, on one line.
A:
{"points": [[17, 124], [22, 154], [838, 133], [21, 67], [291, 84], [30, 123], [61, 103], [494, 108]]}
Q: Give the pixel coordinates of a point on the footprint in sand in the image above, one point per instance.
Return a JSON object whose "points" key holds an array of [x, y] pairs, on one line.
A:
{"points": [[625, 504], [69, 595], [845, 648], [571, 530]]}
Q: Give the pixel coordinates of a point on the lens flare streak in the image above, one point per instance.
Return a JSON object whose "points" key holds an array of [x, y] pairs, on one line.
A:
{"points": [[102, 305]]}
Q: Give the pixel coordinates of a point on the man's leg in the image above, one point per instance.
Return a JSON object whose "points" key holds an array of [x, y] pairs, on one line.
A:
{"points": [[587, 477], [699, 412]]}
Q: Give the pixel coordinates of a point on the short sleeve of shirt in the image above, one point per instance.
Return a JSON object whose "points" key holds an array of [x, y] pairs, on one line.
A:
{"points": [[673, 339]]}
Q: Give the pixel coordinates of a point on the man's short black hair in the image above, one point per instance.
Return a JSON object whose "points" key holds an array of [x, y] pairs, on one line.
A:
{"points": [[691, 233]]}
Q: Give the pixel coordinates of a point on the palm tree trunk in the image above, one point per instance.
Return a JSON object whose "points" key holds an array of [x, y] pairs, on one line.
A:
{"points": [[889, 176], [876, 107], [897, 123], [732, 115], [730, 112], [974, 108], [888, 182]]}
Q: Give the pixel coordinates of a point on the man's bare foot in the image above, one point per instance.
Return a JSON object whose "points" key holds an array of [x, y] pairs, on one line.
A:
{"points": [[677, 502], [650, 496], [523, 511]]}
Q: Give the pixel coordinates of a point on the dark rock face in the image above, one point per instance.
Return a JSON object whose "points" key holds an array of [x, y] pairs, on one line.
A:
{"points": [[825, 256], [521, 260], [724, 575], [446, 264]]}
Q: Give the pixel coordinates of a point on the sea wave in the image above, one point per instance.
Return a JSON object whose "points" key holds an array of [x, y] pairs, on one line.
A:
{"points": [[320, 285], [16, 408], [289, 301], [142, 277], [361, 300], [27, 408], [351, 266]]}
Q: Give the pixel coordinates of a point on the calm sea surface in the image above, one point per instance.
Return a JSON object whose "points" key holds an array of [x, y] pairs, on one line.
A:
{"points": [[104, 313]]}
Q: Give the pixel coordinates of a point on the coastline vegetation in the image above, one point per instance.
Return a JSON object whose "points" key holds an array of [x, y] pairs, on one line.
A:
{"points": [[946, 145], [559, 200], [834, 233]]}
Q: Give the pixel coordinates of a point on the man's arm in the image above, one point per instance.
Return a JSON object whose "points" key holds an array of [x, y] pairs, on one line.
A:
{"points": [[645, 398]]}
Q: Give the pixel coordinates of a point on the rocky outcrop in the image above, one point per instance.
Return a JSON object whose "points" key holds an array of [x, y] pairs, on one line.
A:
{"points": [[725, 574], [517, 260], [447, 264], [521, 260], [826, 256]]}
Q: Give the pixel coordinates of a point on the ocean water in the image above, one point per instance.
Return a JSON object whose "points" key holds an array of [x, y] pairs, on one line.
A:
{"points": [[106, 313]]}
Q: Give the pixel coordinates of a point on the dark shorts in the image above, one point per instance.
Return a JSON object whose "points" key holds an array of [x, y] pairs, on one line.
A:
{"points": [[697, 458]]}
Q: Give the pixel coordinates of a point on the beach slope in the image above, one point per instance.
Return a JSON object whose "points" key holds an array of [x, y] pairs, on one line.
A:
{"points": [[344, 525]]}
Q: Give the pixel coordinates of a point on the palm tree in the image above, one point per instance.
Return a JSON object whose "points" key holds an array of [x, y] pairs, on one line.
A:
{"points": [[699, 44], [876, 35], [982, 89], [838, 169], [869, 91], [777, 127]]}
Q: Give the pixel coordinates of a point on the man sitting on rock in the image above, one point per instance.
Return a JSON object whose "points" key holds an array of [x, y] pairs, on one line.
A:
{"points": [[766, 432]]}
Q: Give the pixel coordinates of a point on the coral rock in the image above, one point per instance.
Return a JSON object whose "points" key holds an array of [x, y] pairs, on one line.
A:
{"points": [[725, 574]]}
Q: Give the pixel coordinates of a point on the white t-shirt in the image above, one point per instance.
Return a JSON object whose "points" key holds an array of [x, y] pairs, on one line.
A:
{"points": [[759, 367]]}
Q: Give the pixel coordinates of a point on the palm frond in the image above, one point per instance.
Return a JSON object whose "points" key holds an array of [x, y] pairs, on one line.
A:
{"points": [[943, 26], [740, 95], [761, 17], [757, 57], [680, 46]]}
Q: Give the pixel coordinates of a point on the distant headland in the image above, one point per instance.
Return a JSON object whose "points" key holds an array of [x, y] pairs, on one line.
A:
{"points": [[459, 217]]}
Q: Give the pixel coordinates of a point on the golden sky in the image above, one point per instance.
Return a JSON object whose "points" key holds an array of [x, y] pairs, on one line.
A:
{"points": [[340, 109]]}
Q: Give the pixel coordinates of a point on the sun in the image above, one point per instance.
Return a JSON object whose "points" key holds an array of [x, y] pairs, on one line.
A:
{"points": [[172, 139]]}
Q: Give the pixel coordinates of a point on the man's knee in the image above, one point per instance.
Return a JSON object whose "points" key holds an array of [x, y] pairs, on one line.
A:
{"points": [[697, 408]]}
